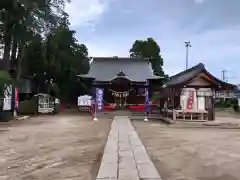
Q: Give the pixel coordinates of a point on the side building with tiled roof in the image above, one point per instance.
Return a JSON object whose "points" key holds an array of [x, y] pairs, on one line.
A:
{"points": [[190, 94]]}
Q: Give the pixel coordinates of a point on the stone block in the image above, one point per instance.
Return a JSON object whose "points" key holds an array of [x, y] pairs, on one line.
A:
{"points": [[127, 170], [110, 157], [135, 141], [147, 171], [141, 155], [111, 147], [108, 170]]}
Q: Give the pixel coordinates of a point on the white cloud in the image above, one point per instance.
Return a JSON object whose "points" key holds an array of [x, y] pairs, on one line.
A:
{"points": [[85, 12], [199, 1], [98, 49], [95, 51]]}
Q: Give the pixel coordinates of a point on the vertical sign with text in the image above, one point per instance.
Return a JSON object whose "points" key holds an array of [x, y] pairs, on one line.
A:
{"points": [[99, 99]]}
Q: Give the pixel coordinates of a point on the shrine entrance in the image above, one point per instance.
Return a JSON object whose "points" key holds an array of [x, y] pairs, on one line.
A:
{"points": [[120, 98], [119, 90]]}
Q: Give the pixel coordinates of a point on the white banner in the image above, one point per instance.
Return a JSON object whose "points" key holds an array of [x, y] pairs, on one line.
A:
{"points": [[7, 103], [84, 100]]}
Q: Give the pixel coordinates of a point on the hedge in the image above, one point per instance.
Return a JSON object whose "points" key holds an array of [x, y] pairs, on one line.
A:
{"points": [[28, 107], [6, 116]]}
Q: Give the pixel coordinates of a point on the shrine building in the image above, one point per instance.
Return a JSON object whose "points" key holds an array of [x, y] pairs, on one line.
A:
{"points": [[124, 81], [128, 83], [190, 94]]}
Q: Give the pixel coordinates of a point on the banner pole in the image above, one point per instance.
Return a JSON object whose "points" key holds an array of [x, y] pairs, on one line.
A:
{"points": [[146, 104], [95, 104]]}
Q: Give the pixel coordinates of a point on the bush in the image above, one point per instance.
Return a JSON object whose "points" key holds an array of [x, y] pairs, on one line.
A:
{"points": [[57, 108], [235, 106], [28, 106], [5, 80], [5, 116]]}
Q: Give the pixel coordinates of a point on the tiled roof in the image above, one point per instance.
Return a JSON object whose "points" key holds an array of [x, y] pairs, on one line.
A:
{"points": [[108, 68], [184, 77]]}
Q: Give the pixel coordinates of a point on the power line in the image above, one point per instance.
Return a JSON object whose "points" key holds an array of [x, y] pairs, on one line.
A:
{"points": [[225, 76]]}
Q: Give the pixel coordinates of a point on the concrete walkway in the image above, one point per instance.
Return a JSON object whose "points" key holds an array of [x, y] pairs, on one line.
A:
{"points": [[125, 158]]}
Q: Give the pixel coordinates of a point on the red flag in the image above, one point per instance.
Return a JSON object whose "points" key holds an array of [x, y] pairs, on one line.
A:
{"points": [[16, 98]]}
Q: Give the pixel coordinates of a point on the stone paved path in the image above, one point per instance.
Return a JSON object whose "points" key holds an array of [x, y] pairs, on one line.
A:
{"points": [[125, 158]]}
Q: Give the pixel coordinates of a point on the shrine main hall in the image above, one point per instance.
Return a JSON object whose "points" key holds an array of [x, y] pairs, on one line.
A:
{"points": [[124, 80]]}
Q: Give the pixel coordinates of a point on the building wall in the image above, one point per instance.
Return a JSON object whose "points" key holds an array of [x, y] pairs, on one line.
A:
{"points": [[198, 81]]}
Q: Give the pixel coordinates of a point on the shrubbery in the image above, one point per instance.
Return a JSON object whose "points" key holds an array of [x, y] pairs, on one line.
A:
{"points": [[235, 105], [28, 106], [228, 103]]}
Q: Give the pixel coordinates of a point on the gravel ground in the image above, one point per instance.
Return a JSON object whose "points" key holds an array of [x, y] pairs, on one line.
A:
{"points": [[59, 147], [192, 153]]}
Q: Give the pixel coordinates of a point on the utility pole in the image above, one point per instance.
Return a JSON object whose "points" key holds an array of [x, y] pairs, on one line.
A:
{"points": [[187, 45], [224, 75]]}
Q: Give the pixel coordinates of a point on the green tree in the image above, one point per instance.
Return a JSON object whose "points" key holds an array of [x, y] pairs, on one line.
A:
{"points": [[36, 37], [19, 17], [64, 59], [151, 50], [5, 80]]}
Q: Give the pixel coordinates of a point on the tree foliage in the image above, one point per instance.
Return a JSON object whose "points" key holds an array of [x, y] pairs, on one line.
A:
{"points": [[149, 49], [5, 80], [64, 58], [38, 43]]}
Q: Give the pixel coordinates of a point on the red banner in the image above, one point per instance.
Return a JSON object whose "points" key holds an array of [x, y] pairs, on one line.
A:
{"points": [[16, 98], [190, 100]]}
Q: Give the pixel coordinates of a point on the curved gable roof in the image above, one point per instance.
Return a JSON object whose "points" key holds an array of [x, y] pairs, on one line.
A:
{"points": [[107, 68], [186, 76]]}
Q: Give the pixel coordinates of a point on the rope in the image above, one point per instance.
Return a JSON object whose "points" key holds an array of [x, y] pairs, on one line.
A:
{"points": [[120, 92]]}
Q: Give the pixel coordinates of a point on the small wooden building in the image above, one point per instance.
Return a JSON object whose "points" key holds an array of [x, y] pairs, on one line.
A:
{"points": [[190, 94]]}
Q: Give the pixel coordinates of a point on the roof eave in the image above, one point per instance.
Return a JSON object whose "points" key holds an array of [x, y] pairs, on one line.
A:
{"points": [[84, 76]]}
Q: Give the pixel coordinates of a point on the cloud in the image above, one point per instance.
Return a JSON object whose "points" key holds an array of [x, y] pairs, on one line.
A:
{"points": [[199, 1], [99, 51], [86, 12], [212, 26]]}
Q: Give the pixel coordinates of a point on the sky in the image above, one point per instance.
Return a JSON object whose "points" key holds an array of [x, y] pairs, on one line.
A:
{"points": [[110, 27]]}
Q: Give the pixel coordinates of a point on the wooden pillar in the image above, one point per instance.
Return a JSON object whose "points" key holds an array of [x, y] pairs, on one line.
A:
{"points": [[210, 108]]}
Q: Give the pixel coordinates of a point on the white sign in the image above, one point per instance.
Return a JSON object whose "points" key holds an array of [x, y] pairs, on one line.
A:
{"points": [[204, 92], [84, 100], [7, 103]]}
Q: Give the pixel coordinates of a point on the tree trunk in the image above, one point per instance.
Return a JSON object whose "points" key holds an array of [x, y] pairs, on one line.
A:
{"points": [[14, 50], [7, 49], [21, 53]]}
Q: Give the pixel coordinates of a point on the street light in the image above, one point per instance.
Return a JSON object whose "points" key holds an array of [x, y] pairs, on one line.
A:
{"points": [[187, 45]]}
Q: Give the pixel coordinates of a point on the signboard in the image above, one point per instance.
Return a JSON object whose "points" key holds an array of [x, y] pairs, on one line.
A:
{"points": [[99, 99], [7, 103], [84, 100], [204, 92], [147, 101], [188, 99]]}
